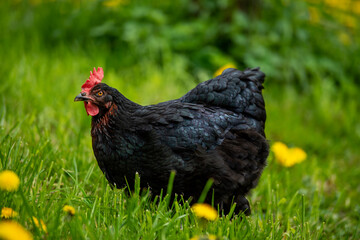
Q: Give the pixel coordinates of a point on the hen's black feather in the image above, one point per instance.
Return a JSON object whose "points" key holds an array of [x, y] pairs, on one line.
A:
{"points": [[215, 131]]}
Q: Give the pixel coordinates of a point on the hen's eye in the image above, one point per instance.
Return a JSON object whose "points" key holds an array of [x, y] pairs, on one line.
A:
{"points": [[100, 93]]}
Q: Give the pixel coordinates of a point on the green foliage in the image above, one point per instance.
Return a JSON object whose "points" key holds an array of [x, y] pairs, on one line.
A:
{"points": [[154, 51]]}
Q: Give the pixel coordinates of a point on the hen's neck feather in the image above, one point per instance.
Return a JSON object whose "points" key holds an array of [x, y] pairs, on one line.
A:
{"points": [[118, 116]]}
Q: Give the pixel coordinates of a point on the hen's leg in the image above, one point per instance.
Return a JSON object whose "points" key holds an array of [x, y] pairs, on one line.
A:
{"points": [[242, 205]]}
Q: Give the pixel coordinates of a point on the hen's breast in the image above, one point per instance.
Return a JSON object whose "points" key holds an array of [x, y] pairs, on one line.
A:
{"points": [[123, 153], [114, 152]]}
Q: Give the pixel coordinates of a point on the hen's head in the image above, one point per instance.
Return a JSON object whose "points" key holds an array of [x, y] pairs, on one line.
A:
{"points": [[95, 95]]}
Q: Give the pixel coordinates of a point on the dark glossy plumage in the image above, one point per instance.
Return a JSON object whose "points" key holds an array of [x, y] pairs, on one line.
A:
{"points": [[215, 131]]}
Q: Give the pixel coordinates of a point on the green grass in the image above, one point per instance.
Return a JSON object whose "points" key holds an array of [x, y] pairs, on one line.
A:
{"points": [[45, 139]]}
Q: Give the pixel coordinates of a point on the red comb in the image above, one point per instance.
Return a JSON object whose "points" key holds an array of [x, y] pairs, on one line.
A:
{"points": [[95, 78]]}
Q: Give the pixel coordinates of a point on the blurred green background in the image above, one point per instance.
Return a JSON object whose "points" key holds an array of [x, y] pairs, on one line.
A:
{"points": [[153, 51]]}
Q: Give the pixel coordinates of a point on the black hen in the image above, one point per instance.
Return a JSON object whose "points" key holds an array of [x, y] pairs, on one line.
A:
{"points": [[215, 131]]}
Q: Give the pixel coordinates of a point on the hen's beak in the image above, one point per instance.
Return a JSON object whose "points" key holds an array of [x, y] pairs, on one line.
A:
{"points": [[81, 97]]}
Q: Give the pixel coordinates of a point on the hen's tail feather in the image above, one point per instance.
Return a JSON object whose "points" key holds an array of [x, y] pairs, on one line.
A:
{"points": [[234, 90], [253, 74]]}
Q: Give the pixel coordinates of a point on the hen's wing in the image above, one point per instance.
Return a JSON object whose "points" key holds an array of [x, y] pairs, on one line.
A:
{"points": [[187, 126]]}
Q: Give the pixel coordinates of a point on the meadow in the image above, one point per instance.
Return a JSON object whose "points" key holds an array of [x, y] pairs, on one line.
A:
{"points": [[156, 51]]}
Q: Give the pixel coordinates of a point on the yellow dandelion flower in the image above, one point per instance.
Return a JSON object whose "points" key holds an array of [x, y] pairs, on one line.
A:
{"points": [[114, 3], [344, 38], [356, 7], [69, 209], [195, 238], [9, 181], [203, 210], [350, 21], [288, 156], [339, 4], [12, 230], [280, 150], [205, 237], [297, 154], [37, 224], [212, 237], [220, 70], [8, 213], [314, 15]]}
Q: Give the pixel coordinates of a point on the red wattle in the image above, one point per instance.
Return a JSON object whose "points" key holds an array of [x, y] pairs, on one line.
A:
{"points": [[91, 108]]}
